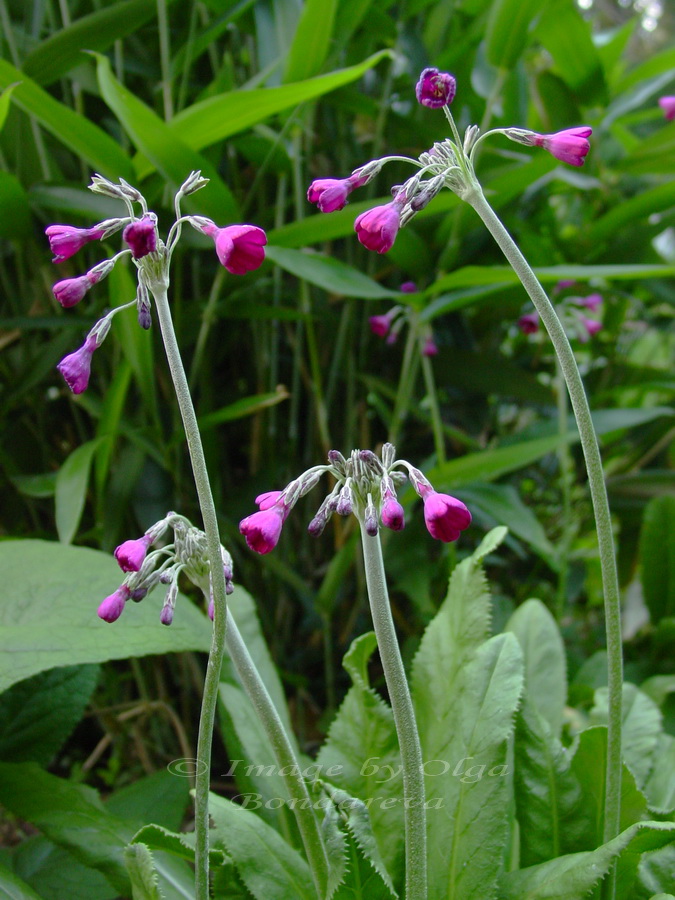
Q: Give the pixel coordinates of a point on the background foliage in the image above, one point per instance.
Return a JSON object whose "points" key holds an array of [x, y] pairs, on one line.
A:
{"points": [[263, 97]]}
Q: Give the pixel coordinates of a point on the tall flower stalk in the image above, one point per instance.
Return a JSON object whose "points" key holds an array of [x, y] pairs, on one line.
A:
{"points": [[450, 164]]}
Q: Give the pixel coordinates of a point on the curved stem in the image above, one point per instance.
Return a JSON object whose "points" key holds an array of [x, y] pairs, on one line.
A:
{"points": [[208, 509], [596, 482], [404, 717], [284, 754]]}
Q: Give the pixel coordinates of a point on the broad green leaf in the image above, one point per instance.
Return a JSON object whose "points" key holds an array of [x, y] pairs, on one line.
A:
{"points": [[249, 841], [544, 655], [548, 796], [52, 619], [361, 754], [5, 98], [161, 798], [62, 50], [657, 557], [219, 117], [507, 32], [15, 215], [653, 154], [56, 874], [76, 132], [167, 152], [328, 273], [38, 714], [140, 866], [247, 406], [72, 482], [567, 37], [572, 877], [35, 485], [660, 786], [655, 873], [640, 731], [13, 888], [312, 40], [632, 212]]}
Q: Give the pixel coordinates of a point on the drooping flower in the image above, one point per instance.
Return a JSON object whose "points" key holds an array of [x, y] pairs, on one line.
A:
{"points": [[66, 240], [590, 327], [569, 145], [113, 606], [392, 513], [263, 529], [76, 367], [429, 348], [141, 236], [130, 554], [435, 89], [240, 248], [667, 104], [377, 228], [380, 325], [330, 194], [445, 516], [70, 291], [593, 302], [408, 287], [529, 323]]}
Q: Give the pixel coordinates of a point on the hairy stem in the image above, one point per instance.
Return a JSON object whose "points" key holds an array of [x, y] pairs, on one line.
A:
{"points": [[596, 483], [404, 717], [208, 509]]}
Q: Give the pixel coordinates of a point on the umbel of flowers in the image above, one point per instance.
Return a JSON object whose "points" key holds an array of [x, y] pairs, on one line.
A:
{"points": [[240, 249], [365, 485], [572, 313], [449, 163], [185, 552]]}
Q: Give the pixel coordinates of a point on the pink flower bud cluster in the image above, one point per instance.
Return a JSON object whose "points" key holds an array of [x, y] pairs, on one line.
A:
{"points": [[366, 486], [388, 325], [569, 309], [187, 553]]}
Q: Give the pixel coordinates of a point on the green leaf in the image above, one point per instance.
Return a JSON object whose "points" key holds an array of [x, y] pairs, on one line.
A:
{"points": [[5, 98], [56, 874], [660, 786], [567, 37], [52, 619], [246, 406], [141, 868], [15, 216], [76, 132], [62, 50], [249, 840], [38, 714], [630, 213], [654, 154], [328, 273], [544, 655], [219, 117], [507, 32], [167, 152], [573, 876], [35, 485], [657, 557], [13, 888], [640, 731], [71, 489], [161, 798], [312, 39], [361, 754]]}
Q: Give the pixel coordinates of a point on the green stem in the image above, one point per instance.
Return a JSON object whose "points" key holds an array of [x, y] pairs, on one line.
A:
{"points": [[596, 482], [405, 385], [208, 509], [434, 408], [285, 755], [404, 717], [565, 466]]}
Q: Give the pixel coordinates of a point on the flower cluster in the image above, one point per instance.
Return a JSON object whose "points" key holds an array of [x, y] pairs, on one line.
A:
{"points": [[448, 163], [187, 553], [240, 249], [365, 485], [667, 104], [571, 311], [388, 325]]}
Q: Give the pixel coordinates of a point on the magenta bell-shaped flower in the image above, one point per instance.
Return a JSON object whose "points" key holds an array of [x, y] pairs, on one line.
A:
{"points": [[130, 554], [70, 291], [570, 145], [330, 194], [529, 323], [113, 606], [263, 529], [66, 240], [667, 104], [444, 516], [240, 248], [377, 228], [76, 367]]}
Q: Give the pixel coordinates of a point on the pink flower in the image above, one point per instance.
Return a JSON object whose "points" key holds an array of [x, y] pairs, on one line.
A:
{"points": [[392, 513], [130, 554], [570, 145], [408, 287], [563, 285], [330, 194], [593, 302], [380, 325], [267, 500], [445, 516], [430, 348], [667, 104], [263, 529], [377, 228], [141, 236], [66, 240], [113, 606], [239, 247], [70, 291], [76, 367], [591, 326], [435, 89], [529, 323]]}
